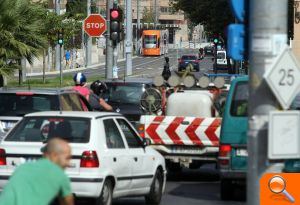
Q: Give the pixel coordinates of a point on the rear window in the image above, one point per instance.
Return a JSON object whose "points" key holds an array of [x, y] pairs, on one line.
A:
{"points": [[189, 58], [221, 55], [124, 93], [239, 105], [18, 105], [40, 129]]}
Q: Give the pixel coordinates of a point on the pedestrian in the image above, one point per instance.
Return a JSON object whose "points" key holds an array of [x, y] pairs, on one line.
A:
{"points": [[96, 96], [78, 64], [81, 85], [68, 57], [38, 183]]}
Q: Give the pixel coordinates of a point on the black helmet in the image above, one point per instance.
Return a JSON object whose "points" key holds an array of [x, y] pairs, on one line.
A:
{"points": [[98, 87], [167, 59]]}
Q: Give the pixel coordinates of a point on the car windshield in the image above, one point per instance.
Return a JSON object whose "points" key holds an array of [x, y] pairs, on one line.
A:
{"points": [[150, 39], [124, 93], [12, 104], [189, 58], [40, 129]]}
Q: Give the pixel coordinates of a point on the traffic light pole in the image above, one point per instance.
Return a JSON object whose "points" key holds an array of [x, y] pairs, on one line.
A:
{"points": [[109, 48], [128, 47], [88, 54], [60, 68], [268, 21]]}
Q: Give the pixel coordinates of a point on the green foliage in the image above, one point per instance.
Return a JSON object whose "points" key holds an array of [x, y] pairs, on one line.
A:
{"points": [[20, 33], [213, 15], [148, 15]]}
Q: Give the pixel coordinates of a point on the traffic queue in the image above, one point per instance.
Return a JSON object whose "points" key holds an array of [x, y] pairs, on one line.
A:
{"points": [[179, 124]]}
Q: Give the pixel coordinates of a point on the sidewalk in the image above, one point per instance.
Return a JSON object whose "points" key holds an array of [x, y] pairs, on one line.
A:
{"points": [[94, 66]]}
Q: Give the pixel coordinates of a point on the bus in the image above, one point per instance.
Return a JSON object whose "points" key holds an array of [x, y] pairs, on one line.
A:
{"points": [[155, 42]]}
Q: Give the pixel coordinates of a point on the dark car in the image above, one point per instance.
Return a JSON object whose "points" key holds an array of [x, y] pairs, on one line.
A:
{"points": [[209, 50], [125, 95], [15, 103], [185, 60]]}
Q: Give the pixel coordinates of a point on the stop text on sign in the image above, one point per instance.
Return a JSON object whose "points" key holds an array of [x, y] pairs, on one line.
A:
{"points": [[95, 25]]}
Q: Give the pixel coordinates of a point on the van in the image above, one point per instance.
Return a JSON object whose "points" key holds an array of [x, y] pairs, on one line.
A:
{"points": [[222, 60], [232, 159]]}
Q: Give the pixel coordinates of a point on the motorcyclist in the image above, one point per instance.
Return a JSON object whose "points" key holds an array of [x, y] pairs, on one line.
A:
{"points": [[97, 102], [80, 85], [166, 71]]}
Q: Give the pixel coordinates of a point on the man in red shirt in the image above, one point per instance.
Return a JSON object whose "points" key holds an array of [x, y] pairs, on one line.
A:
{"points": [[80, 85]]}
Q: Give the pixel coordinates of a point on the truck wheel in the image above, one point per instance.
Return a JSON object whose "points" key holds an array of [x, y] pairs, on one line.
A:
{"points": [[154, 197], [106, 194], [227, 189]]}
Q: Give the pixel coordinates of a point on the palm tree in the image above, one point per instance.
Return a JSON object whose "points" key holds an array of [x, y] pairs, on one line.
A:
{"points": [[20, 33]]}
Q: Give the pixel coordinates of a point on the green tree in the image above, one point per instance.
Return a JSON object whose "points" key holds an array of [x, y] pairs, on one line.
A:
{"points": [[213, 15], [148, 15], [20, 33]]}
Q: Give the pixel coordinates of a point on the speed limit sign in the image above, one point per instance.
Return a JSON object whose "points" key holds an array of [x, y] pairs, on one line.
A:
{"points": [[284, 77]]}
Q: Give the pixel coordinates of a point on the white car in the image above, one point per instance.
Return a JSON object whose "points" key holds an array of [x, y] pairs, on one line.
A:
{"points": [[109, 159]]}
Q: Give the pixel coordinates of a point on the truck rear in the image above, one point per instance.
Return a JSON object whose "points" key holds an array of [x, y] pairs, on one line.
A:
{"points": [[188, 134]]}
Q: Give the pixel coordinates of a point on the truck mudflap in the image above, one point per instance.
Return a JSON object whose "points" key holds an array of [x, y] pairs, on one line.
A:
{"points": [[173, 130]]}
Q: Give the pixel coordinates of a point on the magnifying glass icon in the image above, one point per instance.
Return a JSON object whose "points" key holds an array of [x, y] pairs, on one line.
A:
{"points": [[277, 185]]}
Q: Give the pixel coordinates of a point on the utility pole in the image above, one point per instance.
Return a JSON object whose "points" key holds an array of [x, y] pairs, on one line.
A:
{"points": [[138, 20], [109, 49], [88, 54], [155, 13], [268, 23], [128, 47], [57, 47]]}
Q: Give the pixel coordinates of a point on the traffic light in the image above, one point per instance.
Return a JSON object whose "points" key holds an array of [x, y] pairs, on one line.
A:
{"points": [[115, 24], [60, 38], [237, 35], [216, 40]]}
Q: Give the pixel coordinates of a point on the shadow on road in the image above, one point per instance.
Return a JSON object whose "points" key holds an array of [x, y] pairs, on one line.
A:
{"points": [[206, 173]]}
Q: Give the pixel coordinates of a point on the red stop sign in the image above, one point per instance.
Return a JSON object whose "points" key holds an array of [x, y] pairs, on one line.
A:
{"points": [[94, 25]]}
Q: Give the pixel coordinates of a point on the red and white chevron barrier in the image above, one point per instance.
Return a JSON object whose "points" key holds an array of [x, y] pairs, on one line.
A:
{"points": [[170, 130]]}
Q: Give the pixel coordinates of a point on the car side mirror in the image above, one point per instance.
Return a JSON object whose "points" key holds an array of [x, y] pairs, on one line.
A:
{"points": [[146, 142]]}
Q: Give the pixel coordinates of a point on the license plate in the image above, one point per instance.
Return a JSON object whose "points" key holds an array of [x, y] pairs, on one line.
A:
{"points": [[183, 150], [241, 152]]}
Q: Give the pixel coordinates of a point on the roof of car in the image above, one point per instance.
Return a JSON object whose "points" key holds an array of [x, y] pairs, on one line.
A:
{"points": [[131, 80], [73, 114], [50, 91]]}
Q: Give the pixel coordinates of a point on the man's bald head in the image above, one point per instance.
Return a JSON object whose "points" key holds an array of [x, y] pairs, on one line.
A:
{"points": [[58, 151]]}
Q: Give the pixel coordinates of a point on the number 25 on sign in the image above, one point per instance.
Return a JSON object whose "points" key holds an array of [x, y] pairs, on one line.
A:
{"points": [[287, 77], [284, 77]]}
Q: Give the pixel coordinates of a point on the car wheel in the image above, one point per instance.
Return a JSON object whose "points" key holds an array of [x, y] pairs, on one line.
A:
{"points": [[154, 197], [106, 194], [227, 189]]}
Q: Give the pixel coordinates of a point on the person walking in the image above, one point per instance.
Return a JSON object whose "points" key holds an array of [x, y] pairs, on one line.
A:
{"points": [[67, 57], [40, 182]]}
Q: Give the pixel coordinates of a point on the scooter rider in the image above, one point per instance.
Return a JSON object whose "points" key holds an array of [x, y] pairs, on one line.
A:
{"points": [[97, 102], [91, 95]]}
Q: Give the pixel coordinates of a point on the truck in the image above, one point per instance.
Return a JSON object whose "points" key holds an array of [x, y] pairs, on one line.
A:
{"points": [[187, 134]]}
